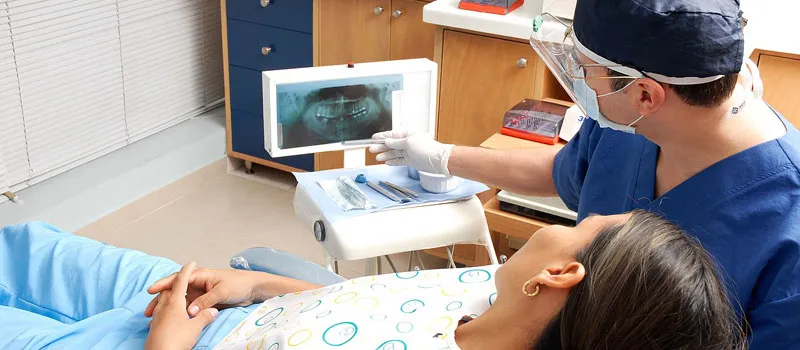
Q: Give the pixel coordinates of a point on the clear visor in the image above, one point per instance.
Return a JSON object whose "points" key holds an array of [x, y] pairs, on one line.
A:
{"points": [[555, 43]]}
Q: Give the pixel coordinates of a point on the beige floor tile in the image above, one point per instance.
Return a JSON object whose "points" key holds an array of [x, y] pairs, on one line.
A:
{"points": [[221, 217], [211, 215], [155, 201]]}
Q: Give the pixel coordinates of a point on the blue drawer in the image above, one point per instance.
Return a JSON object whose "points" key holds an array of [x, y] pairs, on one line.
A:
{"points": [[247, 135], [289, 49], [289, 14], [246, 90]]}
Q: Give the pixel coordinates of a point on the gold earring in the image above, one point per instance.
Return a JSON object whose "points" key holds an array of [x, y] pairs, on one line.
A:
{"points": [[525, 289]]}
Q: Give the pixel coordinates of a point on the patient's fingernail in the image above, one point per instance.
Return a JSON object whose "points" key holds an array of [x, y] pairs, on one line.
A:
{"points": [[194, 309], [214, 312]]}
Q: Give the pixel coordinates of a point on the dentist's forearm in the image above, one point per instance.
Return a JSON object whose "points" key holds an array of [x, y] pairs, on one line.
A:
{"points": [[526, 172]]}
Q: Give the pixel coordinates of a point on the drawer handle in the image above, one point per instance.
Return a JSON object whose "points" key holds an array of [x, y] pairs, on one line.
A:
{"points": [[265, 3], [522, 62], [396, 14], [378, 10], [266, 50]]}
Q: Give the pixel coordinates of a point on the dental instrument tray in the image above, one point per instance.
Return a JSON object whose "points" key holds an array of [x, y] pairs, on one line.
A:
{"points": [[534, 120], [427, 220], [386, 187]]}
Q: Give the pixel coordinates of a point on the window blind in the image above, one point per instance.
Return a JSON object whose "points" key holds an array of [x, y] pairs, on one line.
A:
{"points": [[70, 79], [212, 50], [79, 79], [12, 129], [3, 176]]}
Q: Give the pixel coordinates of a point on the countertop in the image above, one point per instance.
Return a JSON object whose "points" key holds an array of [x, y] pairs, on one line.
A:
{"points": [[770, 22], [516, 24]]}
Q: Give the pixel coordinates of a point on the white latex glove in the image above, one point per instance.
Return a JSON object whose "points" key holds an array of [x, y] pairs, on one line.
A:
{"points": [[419, 151]]}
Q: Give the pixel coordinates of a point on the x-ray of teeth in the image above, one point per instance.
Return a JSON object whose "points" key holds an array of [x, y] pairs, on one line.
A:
{"points": [[340, 110]]}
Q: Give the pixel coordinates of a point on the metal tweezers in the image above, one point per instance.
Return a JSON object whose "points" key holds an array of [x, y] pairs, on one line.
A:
{"points": [[386, 193], [399, 189]]}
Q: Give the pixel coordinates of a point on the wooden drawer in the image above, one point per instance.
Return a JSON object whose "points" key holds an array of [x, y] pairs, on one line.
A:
{"points": [[247, 135], [481, 79], [246, 90], [296, 15], [289, 49]]}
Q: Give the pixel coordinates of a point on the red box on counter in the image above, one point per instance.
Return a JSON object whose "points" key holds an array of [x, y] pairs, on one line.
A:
{"points": [[499, 7], [534, 120]]}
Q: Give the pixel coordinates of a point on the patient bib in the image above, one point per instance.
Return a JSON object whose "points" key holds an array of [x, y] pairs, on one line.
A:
{"points": [[409, 310]]}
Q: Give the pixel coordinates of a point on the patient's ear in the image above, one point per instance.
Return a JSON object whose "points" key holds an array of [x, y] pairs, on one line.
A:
{"points": [[564, 277]]}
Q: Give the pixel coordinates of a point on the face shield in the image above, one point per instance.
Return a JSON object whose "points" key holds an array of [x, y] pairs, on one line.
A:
{"points": [[554, 41], [572, 65]]}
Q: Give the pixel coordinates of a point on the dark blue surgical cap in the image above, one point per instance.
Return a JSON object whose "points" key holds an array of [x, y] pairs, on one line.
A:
{"points": [[673, 38]]}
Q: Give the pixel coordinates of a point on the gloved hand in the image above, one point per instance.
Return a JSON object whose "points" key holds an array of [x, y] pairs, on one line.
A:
{"points": [[419, 151]]}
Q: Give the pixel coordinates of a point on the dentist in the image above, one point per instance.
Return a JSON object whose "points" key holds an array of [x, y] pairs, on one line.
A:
{"points": [[677, 127]]}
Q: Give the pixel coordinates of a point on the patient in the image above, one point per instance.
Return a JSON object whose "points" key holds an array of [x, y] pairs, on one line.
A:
{"points": [[630, 281]]}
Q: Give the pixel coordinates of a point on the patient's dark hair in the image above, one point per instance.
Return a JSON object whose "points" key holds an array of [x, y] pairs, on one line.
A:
{"points": [[706, 95], [647, 286]]}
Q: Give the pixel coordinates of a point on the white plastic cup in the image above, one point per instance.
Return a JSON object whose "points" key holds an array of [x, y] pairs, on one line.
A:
{"points": [[436, 183]]}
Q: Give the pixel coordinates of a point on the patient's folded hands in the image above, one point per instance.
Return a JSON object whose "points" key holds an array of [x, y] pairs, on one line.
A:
{"points": [[215, 288], [227, 288], [172, 328]]}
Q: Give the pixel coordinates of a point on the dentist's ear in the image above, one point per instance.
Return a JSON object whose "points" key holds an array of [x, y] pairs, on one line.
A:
{"points": [[651, 97], [564, 277]]}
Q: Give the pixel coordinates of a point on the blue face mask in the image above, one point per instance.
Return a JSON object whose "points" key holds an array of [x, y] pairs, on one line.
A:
{"points": [[587, 100]]}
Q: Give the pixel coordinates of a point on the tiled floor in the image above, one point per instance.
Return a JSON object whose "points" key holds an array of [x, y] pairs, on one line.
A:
{"points": [[210, 215]]}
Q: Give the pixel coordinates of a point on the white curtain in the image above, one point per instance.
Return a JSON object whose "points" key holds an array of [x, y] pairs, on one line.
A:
{"points": [[79, 79]]}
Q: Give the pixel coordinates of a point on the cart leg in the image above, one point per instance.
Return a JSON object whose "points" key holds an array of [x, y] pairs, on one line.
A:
{"points": [[391, 263], [419, 260], [487, 242], [248, 167], [329, 263], [371, 266], [450, 262]]}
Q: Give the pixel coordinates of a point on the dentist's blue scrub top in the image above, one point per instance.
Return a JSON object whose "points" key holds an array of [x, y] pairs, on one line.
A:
{"points": [[744, 209]]}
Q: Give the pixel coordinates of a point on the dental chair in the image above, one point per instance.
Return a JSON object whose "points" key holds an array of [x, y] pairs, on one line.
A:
{"points": [[366, 237], [457, 223], [283, 264]]}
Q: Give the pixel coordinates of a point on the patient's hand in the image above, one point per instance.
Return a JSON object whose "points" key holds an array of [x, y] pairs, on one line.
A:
{"points": [[215, 288], [172, 328]]}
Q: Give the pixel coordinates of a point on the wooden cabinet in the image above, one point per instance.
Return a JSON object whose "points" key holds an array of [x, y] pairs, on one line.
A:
{"points": [[248, 28], [481, 78], [411, 37], [354, 31], [781, 75], [369, 31], [372, 30]]}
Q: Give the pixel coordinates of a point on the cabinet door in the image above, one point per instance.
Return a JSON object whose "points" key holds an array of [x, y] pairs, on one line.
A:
{"points": [[781, 83], [354, 31], [411, 37], [481, 79]]}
